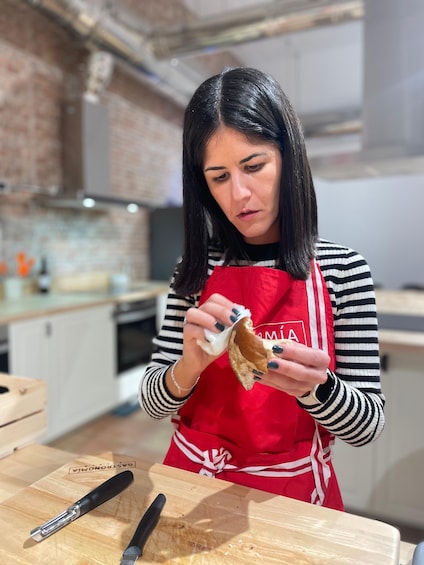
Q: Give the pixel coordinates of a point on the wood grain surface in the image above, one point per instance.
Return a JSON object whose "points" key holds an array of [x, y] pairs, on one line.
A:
{"points": [[23, 416], [205, 521], [28, 465]]}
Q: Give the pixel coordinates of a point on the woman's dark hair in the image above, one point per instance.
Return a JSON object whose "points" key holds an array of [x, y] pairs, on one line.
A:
{"points": [[254, 104]]}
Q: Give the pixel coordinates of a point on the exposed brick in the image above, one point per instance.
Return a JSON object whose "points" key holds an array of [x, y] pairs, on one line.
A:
{"points": [[41, 65]]}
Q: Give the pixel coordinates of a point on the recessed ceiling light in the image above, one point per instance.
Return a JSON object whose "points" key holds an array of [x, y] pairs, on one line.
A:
{"points": [[132, 208], [89, 202]]}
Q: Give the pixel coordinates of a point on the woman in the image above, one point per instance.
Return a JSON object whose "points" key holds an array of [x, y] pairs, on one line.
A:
{"points": [[251, 239]]}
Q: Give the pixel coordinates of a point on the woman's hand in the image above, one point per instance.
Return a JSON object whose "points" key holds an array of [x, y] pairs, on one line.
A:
{"points": [[296, 368], [216, 314]]}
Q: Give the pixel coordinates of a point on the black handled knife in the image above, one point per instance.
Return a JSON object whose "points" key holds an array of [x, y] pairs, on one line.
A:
{"points": [[144, 529], [94, 498]]}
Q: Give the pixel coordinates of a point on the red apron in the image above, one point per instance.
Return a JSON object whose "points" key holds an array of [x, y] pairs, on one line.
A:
{"points": [[262, 438]]}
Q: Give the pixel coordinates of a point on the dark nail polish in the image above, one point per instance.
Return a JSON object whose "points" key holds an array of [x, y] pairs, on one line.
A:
{"points": [[272, 365], [257, 378], [257, 373], [277, 349], [233, 318], [220, 327], [235, 311]]}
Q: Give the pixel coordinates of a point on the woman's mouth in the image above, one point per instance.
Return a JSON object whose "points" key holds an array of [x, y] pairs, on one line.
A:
{"points": [[246, 214]]}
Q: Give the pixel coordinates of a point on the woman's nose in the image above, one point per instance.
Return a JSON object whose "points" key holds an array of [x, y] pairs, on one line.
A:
{"points": [[239, 187]]}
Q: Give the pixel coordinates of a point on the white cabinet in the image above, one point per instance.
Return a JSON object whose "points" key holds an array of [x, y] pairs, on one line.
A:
{"points": [[399, 487], [30, 355], [385, 479], [75, 353], [355, 472]]}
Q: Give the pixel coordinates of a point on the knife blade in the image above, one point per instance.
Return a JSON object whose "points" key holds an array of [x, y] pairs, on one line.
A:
{"points": [[145, 527], [105, 491]]}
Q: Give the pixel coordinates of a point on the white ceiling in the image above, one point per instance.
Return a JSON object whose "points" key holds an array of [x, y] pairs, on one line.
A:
{"points": [[320, 69]]}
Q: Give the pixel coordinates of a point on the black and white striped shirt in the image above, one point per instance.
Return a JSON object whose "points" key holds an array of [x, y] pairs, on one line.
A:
{"points": [[354, 412]]}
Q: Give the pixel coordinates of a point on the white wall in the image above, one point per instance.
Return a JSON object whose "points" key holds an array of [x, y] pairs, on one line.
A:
{"points": [[383, 219]]}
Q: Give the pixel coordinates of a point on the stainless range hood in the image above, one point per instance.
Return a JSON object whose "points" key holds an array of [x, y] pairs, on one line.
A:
{"points": [[86, 157], [86, 161]]}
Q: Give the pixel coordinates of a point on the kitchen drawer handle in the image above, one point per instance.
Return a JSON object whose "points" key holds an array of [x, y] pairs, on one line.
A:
{"points": [[384, 362]]}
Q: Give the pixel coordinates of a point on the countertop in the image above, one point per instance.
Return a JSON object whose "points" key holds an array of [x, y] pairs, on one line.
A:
{"points": [[203, 521], [402, 303], [395, 302], [37, 305]]}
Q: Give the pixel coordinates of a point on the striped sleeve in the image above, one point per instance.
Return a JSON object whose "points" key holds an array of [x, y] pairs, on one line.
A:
{"points": [[154, 396], [355, 410]]}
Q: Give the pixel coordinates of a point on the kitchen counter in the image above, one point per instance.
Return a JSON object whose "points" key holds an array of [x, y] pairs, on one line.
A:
{"points": [[401, 304], [204, 520], [36, 305], [401, 339], [396, 302], [27, 465]]}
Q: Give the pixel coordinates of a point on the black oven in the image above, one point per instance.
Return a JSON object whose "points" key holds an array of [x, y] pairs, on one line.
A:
{"points": [[135, 329]]}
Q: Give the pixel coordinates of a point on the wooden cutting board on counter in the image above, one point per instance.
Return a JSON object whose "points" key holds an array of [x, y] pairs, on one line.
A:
{"points": [[204, 521]]}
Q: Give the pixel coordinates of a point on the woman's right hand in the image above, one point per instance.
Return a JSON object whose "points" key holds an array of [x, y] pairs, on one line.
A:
{"points": [[215, 315]]}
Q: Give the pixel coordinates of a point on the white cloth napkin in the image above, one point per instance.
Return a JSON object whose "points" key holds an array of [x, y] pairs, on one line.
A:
{"points": [[216, 343]]}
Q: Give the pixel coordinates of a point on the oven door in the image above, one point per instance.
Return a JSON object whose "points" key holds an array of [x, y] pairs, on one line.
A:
{"points": [[135, 329]]}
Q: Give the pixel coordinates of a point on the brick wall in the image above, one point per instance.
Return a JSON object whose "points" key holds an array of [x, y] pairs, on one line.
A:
{"points": [[41, 63]]}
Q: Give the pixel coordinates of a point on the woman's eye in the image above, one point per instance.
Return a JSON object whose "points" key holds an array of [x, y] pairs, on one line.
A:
{"points": [[253, 168], [221, 178], [248, 168]]}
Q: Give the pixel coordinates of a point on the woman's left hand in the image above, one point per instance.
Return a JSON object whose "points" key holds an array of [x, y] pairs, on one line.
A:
{"points": [[296, 369]]}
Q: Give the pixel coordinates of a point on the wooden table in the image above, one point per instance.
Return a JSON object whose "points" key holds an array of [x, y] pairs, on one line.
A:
{"points": [[27, 465], [205, 521]]}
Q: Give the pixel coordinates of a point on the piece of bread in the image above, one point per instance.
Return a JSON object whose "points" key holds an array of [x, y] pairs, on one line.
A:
{"points": [[248, 352]]}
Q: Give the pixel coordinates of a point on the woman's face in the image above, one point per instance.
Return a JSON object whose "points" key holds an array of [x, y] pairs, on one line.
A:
{"points": [[244, 179]]}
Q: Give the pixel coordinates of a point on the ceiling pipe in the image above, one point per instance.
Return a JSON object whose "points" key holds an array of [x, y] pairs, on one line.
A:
{"points": [[250, 24], [153, 55], [393, 66], [332, 124], [99, 28]]}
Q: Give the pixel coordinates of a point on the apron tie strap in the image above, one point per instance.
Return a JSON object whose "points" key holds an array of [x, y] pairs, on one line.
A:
{"points": [[320, 469], [216, 460], [213, 460]]}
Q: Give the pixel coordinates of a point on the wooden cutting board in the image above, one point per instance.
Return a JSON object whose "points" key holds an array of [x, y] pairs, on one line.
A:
{"points": [[205, 521]]}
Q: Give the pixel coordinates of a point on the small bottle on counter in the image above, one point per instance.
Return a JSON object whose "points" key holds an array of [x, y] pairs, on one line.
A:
{"points": [[44, 277]]}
